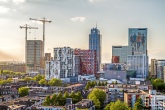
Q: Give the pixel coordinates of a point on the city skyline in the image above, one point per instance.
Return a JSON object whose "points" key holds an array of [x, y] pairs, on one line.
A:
{"points": [[72, 21]]}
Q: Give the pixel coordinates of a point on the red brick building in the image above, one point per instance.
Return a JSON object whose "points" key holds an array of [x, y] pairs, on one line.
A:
{"points": [[88, 63]]}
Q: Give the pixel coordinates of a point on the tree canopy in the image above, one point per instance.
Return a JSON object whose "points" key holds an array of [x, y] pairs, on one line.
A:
{"points": [[23, 91], [118, 105], [98, 96], [55, 82], [138, 105]]}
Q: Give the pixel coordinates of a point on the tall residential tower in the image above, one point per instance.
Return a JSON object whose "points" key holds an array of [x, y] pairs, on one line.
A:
{"points": [[95, 40]]}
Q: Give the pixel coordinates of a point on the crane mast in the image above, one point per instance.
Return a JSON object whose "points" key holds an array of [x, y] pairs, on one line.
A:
{"points": [[43, 20], [26, 27]]}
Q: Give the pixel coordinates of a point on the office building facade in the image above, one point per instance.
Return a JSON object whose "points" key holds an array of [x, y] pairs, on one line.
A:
{"points": [[95, 43], [34, 55], [119, 53], [139, 63], [137, 39]]}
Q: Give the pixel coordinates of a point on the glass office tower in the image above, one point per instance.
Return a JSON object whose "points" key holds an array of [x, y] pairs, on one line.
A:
{"points": [[95, 39]]}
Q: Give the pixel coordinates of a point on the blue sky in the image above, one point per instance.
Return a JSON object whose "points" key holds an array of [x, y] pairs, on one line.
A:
{"points": [[73, 19]]}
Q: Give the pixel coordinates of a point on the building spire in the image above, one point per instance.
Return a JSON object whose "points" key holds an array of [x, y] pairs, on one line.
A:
{"points": [[96, 24]]}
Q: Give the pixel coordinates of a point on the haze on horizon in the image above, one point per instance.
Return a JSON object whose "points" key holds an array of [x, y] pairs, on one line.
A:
{"points": [[72, 21]]}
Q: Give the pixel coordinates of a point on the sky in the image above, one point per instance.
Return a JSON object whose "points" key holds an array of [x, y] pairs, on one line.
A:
{"points": [[72, 21]]}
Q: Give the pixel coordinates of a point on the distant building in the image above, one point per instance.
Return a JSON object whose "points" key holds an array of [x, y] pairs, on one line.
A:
{"points": [[157, 68], [138, 63], [95, 43], [34, 55], [119, 53], [15, 67], [88, 61], [48, 57]]}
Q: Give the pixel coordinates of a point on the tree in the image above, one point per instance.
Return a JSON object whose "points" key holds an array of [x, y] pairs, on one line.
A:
{"points": [[54, 99], [55, 82], [47, 101], [66, 94], [23, 91], [96, 102], [42, 81], [38, 77], [28, 79], [99, 94], [107, 107], [99, 84], [138, 105], [118, 105]]}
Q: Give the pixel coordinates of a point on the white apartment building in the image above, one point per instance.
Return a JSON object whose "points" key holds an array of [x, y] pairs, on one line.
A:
{"points": [[154, 100], [139, 63], [65, 65]]}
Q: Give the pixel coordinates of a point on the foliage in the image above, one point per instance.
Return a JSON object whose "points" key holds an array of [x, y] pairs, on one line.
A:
{"points": [[42, 81], [97, 94], [138, 105], [158, 84], [28, 79], [5, 81], [38, 77], [23, 91], [93, 84], [60, 99], [118, 105], [55, 82]]}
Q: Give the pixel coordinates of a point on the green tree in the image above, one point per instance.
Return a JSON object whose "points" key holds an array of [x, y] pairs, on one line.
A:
{"points": [[28, 79], [138, 105], [23, 91], [96, 102], [66, 94], [99, 94], [99, 84], [42, 81], [60, 99], [47, 101], [54, 100], [38, 77], [107, 107], [55, 82], [118, 105], [78, 96]]}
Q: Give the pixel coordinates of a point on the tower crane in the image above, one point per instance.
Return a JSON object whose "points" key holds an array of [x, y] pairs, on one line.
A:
{"points": [[26, 28], [43, 20]]}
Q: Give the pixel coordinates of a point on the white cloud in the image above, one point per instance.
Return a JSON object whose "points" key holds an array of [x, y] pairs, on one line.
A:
{"points": [[79, 18], [18, 1], [3, 0], [92, 1], [4, 9]]}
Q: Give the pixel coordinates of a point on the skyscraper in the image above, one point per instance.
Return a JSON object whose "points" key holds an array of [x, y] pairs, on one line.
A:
{"points": [[95, 40]]}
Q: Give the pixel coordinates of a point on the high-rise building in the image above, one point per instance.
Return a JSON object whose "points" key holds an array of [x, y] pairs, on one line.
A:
{"points": [[48, 57], [138, 40], [88, 62], [65, 65], [119, 53], [95, 43], [34, 55], [138, 63], [137, 44], [157, 68]]}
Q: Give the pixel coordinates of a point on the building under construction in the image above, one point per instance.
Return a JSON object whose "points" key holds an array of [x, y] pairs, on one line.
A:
{"points": [[34, 55]]}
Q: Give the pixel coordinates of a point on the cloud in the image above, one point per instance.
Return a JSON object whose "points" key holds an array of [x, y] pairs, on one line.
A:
{"points": [[78, 19], [4, 9], [3, 0], [92, 1], [19, 1]]}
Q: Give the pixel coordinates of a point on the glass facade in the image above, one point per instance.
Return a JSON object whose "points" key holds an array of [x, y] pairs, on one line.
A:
{"points": [[95, 40], [121, 52], [138, 40]]}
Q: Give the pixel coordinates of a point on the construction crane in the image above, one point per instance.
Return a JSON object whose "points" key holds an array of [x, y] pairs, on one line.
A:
{"points": [[43, 20], [26, 28]]}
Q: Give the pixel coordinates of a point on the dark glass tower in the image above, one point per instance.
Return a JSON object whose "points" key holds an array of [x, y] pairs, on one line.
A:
{"points": [[95, 44]]}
